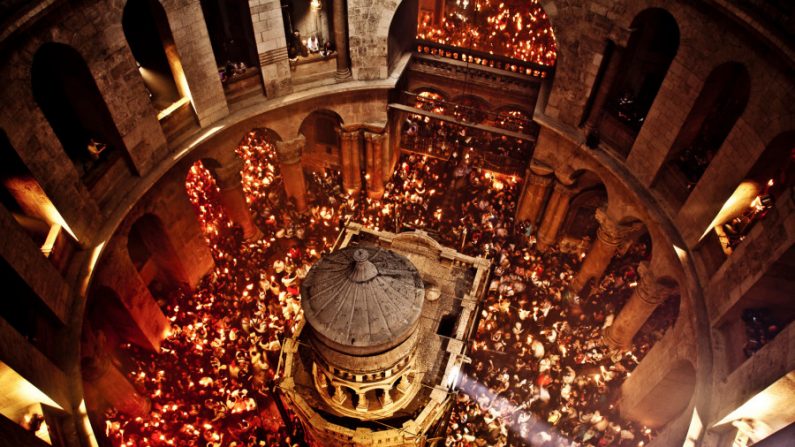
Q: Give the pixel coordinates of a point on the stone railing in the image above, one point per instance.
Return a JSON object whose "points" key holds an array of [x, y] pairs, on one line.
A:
{"points": [[484, 59]]}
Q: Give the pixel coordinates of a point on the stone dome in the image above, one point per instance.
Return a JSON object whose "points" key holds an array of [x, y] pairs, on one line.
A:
{"points": [[362, 300]]}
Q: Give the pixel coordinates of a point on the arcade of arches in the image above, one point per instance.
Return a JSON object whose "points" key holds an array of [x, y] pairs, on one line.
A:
{"points": [[172, 169]]}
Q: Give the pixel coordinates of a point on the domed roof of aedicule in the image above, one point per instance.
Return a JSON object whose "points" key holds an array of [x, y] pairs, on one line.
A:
{"points": [[362, 300]]}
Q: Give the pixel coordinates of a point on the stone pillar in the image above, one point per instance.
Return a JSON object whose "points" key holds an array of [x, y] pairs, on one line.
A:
{"points": [[339, 395], [535, 191], [289, 154], [351, 177], [404, 385], [234, 202], [266, 18], [363, 403], [196, 59], [387, 401], [613, 54], [375, 160], [387, 167], [608, 238], [341, 41], [555, 214], [648, 294]]}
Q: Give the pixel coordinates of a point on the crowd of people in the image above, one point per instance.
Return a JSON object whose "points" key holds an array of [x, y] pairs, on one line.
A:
{"points": [[539, 375], [487, 150], [510, 28]]}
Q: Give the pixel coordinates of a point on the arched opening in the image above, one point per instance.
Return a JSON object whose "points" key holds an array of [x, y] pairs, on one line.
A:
{"points": [[400, 38], [147, 32], [470, 108], [765, 419], [234, 47], [514, 118], [321, 130], [153, 254], [65, 90], [28, 406], [28, 314], [650, 50], [24, 198], [308, 26], [761, 313], [663, 400], [718, 107], [429, 99], [768, 180], [580, 226]]}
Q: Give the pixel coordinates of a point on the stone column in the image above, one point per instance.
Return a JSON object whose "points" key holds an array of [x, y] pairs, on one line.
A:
{"points": [[289, 154], [341, 41], [339, 395], [234, 202], [648, 294], [387, 401], [555, 214], [387, 167], [375, 161], [535, 191], [608, 238], [363, 404], [404, 385], [351, 178]]}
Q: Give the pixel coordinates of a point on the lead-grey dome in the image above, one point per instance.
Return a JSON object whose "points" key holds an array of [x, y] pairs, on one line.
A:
{"points": [[362, 300]]}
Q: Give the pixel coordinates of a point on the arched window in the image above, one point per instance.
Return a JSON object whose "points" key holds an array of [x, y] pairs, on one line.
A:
{"points": [[231, 31], [718, 107], [768, 179], [154, 256], [469, 108], [235, 50], [148, 34], [24, 197], [580, 222], [399, 39], [322, 140], [24, 310], [305, 20], [65, 90], [651, 48]]}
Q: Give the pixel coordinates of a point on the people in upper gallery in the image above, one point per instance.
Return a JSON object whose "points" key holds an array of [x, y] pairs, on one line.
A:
{"points": [[312, 44], [95, 148]]}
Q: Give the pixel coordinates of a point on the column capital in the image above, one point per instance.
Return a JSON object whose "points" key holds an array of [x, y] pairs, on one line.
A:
{"points": [[347, 134], [289, 152], [539, 168], [563, 189], [229, 178], [373, 136], [610, 231], [650, 289], [537, 179]]}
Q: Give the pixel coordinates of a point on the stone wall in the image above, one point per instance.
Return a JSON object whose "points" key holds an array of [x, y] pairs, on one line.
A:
{"points": [[186, 19], [368, 29], [266, 16]]}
